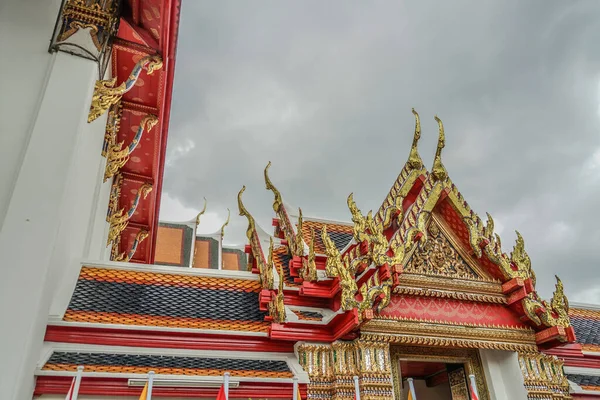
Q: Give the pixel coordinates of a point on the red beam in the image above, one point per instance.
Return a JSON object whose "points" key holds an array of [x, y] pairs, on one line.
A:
{"points": [[119, 387], [171, 10], [164, 339]]}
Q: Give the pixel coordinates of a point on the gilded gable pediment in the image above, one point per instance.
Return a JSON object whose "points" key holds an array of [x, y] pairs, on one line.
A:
{"points": [[442, 256]]}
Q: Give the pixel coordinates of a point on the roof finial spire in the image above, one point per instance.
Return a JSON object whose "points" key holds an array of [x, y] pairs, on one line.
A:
{"points": [[225, 224], [201, 213], [439, 171], [414, 160]]}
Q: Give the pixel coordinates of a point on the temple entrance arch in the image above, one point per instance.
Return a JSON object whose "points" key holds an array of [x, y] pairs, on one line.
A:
{"points": [[439, 372]]}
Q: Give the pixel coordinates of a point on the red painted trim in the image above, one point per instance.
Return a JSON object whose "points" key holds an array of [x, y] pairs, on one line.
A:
{"points": [[170, 31], [345, 323], [337, 328], [164, 339], [118, 387], [295, 332], [295, 298], [566, 350]]}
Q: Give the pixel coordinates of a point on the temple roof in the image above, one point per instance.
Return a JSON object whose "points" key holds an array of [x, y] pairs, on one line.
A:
{"points": [[166, 365], [130, 297], [424, 240], [586, 322]]}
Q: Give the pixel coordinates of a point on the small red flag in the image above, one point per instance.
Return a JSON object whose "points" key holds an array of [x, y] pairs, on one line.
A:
{"points": [[473, 394], [221, 395]]}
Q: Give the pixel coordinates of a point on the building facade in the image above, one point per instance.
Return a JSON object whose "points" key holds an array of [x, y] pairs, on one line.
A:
{"points": [[418, 288]]}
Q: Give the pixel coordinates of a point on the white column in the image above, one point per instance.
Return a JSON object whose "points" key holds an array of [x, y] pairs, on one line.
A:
{"points": [[36, 240], [503, 375]]}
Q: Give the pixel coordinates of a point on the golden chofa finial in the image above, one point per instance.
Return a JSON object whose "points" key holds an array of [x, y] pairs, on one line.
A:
{"points": [[225, 224], [439, 171], [414, 160], [201, 213], [277, 202]]}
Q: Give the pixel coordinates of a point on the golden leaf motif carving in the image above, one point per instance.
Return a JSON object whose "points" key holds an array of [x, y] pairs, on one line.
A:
{"points": [[437, 257]]}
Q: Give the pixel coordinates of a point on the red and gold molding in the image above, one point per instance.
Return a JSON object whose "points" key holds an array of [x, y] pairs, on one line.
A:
{"points": [[124, 369], [165, 321], [162, 279], [151, 28]]}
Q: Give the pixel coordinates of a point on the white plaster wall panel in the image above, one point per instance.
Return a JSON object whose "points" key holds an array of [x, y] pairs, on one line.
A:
{"points": [[31, 223], [503, 375], [25, 30]]}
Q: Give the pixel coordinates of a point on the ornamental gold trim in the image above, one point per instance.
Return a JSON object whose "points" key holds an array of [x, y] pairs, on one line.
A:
{"points": [[459, 289], [434, 333]]}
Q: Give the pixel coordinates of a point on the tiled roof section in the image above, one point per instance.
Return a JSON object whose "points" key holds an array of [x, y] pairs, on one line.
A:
{"points": [[142, 298], [308, 315], [587, 327], [173, 244], [281, 258], [339, 233], [585, 381], [173, 365]]}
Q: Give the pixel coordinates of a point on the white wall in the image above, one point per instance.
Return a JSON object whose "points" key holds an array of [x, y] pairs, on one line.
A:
{"points": [[503, 375], [51, 198], [25, 30]]}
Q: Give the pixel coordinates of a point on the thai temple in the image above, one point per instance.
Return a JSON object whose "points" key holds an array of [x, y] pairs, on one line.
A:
{"points": [[418, 288]]}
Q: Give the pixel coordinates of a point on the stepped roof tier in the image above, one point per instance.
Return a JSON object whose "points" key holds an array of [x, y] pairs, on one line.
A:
{"points": [[421, 270]]}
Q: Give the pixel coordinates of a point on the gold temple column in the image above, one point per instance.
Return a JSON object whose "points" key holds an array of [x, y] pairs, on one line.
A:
{"points": [[331, 369], [375, 371]]}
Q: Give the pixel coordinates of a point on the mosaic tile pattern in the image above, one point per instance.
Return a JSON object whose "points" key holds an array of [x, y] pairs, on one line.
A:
{"points": [[176, 365], [141, 298]]}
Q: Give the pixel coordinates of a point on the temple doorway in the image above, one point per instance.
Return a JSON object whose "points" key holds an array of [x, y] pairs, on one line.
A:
{"points": [[438, 373], [434, 380]]}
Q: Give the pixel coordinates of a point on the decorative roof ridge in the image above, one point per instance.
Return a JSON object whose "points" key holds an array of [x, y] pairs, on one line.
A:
{"points": [[252, 234], [295, 241], [483, 241], [168, 270], [412, 169], [325, 221], [584, 306]]}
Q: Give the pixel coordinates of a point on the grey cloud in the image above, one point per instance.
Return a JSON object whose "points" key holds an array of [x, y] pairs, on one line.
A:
{"points": [[324, 91]]}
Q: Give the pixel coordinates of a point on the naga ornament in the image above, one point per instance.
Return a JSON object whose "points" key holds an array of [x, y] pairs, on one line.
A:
{"points": [[251, 234], [106, 94], [335, 267], [119, 220], [126, 257], [117, 156], [276, 305]]}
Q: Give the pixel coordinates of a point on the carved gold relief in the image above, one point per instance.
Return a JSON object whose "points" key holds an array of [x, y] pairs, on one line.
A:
{"points": [[99, 16], [436, 333], [438, 258], [117, 155], [544, 376], [331, 368], [107, 94], [119, 220], [276, 306], [126, 257]]}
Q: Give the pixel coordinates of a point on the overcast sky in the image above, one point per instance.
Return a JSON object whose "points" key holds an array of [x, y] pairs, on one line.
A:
{"points": [[324, 90]]}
